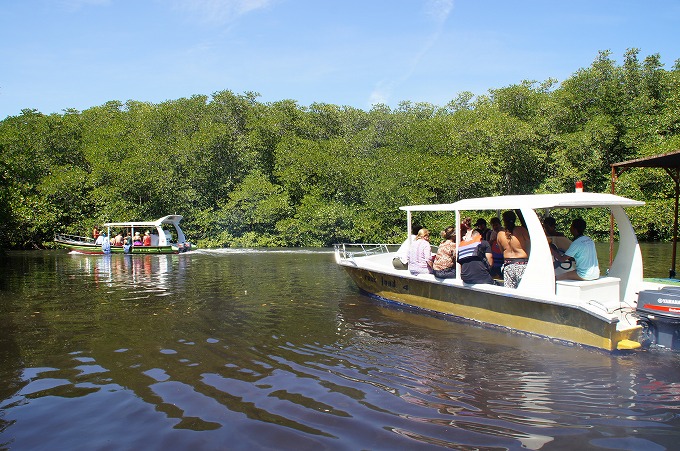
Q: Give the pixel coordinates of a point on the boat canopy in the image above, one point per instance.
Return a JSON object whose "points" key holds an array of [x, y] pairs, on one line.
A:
{"points": [[533, 201], [170, 219], [157, 225], [628, 263]]}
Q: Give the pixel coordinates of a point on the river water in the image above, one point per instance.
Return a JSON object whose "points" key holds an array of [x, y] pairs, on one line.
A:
{"points": [[249, 349]]}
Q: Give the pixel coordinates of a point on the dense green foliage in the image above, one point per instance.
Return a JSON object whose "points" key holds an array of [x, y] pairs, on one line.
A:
{"points": [[245, 173]]}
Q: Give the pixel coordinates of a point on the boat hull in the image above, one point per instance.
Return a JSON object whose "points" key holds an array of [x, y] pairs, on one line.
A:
{"points": [[556, 321], [91, 249]]}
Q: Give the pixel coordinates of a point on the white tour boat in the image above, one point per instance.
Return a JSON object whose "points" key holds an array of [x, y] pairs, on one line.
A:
{"points": [[166, 238], [599, 313]]}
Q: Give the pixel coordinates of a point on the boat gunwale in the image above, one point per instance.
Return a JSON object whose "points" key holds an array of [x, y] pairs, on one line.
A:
{"points": [[492, 289]]}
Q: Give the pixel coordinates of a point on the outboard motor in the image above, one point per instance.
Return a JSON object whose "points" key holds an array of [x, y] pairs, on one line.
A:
{"points": [[658, 313]]}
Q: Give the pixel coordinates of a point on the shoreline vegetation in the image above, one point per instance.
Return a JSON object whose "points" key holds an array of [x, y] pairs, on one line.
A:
{"points": [[251, 174]]}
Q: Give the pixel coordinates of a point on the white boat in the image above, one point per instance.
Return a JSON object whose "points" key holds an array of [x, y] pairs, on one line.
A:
{"points": [[166, 238], [599, 313]]}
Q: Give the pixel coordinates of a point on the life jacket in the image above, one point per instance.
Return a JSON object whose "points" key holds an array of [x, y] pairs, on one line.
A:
{"points": [[469, 249]]}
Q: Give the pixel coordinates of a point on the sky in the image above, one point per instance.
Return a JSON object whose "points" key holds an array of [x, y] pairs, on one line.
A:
{"points": [[76, 54]]}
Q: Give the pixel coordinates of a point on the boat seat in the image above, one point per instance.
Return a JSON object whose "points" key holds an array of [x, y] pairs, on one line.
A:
{"points": [[605, 290]]}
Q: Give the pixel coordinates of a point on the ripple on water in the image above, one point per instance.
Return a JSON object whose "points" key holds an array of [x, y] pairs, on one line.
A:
{"points": [[277, 349]]}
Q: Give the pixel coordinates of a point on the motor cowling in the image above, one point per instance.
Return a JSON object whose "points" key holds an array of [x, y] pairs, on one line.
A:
{"points": [[658, 313]]}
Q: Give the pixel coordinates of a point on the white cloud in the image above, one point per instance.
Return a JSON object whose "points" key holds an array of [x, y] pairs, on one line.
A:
{"points": [[75, 5], [439, 10], [380, 94], [219, 11]]}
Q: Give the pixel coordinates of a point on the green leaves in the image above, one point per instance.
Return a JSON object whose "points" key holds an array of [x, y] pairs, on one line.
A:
{"points": [[245, 173]]}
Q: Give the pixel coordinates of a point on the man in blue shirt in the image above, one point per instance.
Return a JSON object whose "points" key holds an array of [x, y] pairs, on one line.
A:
{"points": [[582, 251]]}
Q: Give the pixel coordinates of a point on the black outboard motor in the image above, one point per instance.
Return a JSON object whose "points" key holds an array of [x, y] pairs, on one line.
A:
{"points": [[658, 313]]}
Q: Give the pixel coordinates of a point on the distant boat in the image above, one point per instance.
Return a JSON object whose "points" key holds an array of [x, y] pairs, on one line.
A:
{"points": [[165, 233], [599, 313]]}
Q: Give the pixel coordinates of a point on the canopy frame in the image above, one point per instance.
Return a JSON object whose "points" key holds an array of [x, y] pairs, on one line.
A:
{"points": [[669, 162]]}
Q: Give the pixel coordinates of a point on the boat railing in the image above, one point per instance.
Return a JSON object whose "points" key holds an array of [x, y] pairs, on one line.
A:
{"points": [[350, 250], [65, 237]]}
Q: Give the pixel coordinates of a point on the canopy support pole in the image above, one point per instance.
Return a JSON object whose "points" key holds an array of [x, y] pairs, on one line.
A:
{"points": [[675, 175], [615, 177], [670, 162]]}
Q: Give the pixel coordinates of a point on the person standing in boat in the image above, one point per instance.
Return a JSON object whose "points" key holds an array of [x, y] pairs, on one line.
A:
{"points": [[516, 248], [444, 265], [483, 229], [420, 254], [474, 256], [582, 251], [496, 251]]}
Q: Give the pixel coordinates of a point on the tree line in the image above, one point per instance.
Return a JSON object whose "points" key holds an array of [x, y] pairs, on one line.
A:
{"points": [[246, 173]]}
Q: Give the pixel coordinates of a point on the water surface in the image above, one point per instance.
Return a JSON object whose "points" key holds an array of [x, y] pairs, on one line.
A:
{"points": [[251, 349]]}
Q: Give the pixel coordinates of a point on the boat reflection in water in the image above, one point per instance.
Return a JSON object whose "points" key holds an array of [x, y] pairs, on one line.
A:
{"points": [[143, 275]]}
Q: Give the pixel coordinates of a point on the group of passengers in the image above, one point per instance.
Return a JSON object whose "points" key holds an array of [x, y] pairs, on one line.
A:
{"points": [[487, 255], [123, 238]]}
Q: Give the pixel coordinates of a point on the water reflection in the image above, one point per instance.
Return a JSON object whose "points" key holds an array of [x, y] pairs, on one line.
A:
{"points": [[247, 350], [143, 275]]}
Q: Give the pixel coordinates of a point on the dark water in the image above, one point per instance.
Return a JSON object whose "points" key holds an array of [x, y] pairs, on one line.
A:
{"points": [[243, 350]]}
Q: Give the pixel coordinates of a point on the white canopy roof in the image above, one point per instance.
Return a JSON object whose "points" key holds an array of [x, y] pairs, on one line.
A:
{"points": [[170, 219], [533, 201]]}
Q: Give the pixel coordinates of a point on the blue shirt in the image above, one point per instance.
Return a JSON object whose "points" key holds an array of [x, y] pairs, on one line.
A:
{"points": [[582, 250]]}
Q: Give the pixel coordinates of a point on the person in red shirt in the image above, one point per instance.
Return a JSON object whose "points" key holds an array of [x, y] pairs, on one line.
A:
{"points": [[147, 239]]}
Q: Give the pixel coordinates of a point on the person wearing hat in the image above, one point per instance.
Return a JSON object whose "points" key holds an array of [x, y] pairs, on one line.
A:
{"points": [[146, 241], [483, 229]]}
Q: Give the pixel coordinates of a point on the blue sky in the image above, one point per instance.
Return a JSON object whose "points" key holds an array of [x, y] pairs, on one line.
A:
{"points": [[59, 54]]}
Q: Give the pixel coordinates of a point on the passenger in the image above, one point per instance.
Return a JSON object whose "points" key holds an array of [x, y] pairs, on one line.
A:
{"points": [[147, 239], [100, 238], [496, 251], [95, 233], [137, 240], [401, 259], [465, 228], [495, 228], [106, 244], [516, 248], [420, 254], [444, 265], [475, 259], [555, 239], [483, 229], [118, 241], [550, 227], [583, 252]]}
